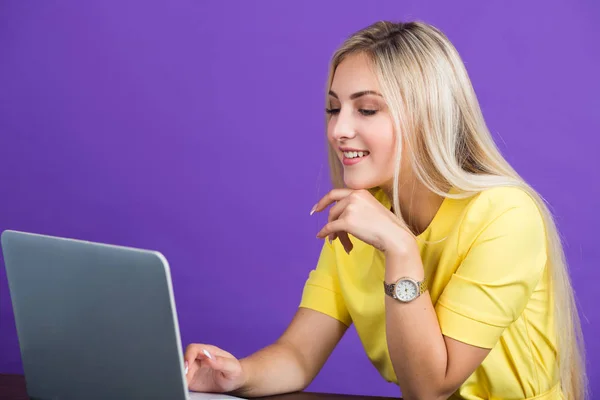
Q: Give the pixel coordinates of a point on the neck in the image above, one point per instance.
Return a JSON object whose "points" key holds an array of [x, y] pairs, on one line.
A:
{"points": [[418, 204]]}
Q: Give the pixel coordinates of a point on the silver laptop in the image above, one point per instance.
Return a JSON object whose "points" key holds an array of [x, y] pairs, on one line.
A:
{"points": [[94, 321]]}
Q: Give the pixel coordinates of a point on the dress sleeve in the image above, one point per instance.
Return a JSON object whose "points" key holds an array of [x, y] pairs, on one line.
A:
{"points": [[322, 289], [497, 276]]}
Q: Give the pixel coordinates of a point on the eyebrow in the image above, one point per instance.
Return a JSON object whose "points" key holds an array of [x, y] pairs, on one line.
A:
{"points": [[357, 94]]}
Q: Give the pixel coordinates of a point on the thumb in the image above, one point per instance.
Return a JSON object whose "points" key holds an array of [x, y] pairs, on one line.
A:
{"points": [[228, 366]]}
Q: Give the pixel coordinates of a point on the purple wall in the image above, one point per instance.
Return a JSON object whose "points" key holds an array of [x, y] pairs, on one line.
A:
{"points": [[196, 128]]}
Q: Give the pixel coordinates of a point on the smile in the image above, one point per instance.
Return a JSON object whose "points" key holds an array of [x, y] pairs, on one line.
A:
{"points": [[354, 157], [355, 154]]}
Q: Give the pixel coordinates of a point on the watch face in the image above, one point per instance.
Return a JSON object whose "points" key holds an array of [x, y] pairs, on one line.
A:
{"points": [[407, 290]]}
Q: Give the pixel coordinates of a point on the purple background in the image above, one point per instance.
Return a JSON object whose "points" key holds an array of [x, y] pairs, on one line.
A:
{"points": [[196, 129]]}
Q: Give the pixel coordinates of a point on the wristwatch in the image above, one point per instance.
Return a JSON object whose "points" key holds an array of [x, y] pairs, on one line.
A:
{"points": [[405, 289]]}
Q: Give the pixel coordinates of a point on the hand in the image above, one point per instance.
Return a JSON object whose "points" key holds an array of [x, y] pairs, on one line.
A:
{"points": [[357, 212], [211, 369]]}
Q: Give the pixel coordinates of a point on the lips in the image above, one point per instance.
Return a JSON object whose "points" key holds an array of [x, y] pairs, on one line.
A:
{"points": [[354, 156]]}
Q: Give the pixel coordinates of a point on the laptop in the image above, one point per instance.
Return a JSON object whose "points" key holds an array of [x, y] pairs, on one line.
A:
{"points": [[94, 321]]}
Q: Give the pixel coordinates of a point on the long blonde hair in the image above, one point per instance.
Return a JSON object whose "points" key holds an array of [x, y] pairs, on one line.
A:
{"points": [[434, 107]]}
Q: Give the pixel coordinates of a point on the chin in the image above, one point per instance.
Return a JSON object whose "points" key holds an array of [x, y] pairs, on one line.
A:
{"points": [[357, 184], [370, 181]]}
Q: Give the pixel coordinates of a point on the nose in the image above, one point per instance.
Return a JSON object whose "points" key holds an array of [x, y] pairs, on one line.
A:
{"points": [[343, 128]]}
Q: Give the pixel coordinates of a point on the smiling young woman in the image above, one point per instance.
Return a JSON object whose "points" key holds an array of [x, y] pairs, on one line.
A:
{"points": [[448, 264]]}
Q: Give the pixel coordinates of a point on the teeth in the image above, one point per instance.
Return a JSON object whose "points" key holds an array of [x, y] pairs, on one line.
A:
{"points": [[354, 154]]}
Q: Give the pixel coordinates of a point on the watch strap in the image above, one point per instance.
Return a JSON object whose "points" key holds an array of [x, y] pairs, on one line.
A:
{"points": [[389, 288]]}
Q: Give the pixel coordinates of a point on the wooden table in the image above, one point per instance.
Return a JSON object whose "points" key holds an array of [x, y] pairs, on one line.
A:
{"points": [[12, 387]]}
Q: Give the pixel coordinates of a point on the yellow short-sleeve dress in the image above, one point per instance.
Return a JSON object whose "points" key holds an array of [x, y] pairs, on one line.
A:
{"points": [[485, 259]]}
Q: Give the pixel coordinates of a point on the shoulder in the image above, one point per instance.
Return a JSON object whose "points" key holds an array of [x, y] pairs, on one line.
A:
{"points": [[492, 203], [505, 209]]}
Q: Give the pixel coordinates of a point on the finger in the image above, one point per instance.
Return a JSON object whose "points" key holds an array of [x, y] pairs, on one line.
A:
{"points": [[205, 357], [198, 350], [229, 367], [191, 371], [333, 196], [334, 226], [338, 209], [197, 361], [335, 212]]}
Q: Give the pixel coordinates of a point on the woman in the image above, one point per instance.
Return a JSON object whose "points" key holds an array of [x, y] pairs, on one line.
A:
{"points": [[448, 264]]}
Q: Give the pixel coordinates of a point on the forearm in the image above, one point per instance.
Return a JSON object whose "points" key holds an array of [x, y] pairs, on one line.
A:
{"points": [[276, 369], [416, 345]]}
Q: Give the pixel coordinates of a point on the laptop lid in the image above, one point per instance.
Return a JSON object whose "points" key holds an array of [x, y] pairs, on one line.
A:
{"points": [[94, 321]]}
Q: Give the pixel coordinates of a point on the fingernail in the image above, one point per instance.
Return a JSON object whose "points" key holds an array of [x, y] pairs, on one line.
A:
{"points": [[312, 211], [186, 368], [207, 354]]}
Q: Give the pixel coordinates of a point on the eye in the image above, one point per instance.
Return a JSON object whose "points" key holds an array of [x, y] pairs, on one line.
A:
{"points": [[367, 113], [332, 111]]}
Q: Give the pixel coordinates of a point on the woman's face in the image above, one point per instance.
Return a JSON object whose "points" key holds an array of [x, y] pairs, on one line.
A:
{"points": [[360, 128]]}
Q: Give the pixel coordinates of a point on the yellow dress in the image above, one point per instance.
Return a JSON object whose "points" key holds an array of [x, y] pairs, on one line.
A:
{"points": [[485, 261]]}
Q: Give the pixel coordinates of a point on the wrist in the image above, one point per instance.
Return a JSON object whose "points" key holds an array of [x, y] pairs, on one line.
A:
{"points": [[400, 264], [400, 244], [244, 385]]}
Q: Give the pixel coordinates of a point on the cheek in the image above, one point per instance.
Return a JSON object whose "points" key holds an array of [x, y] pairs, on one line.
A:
{"points": [[384, 141]]}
